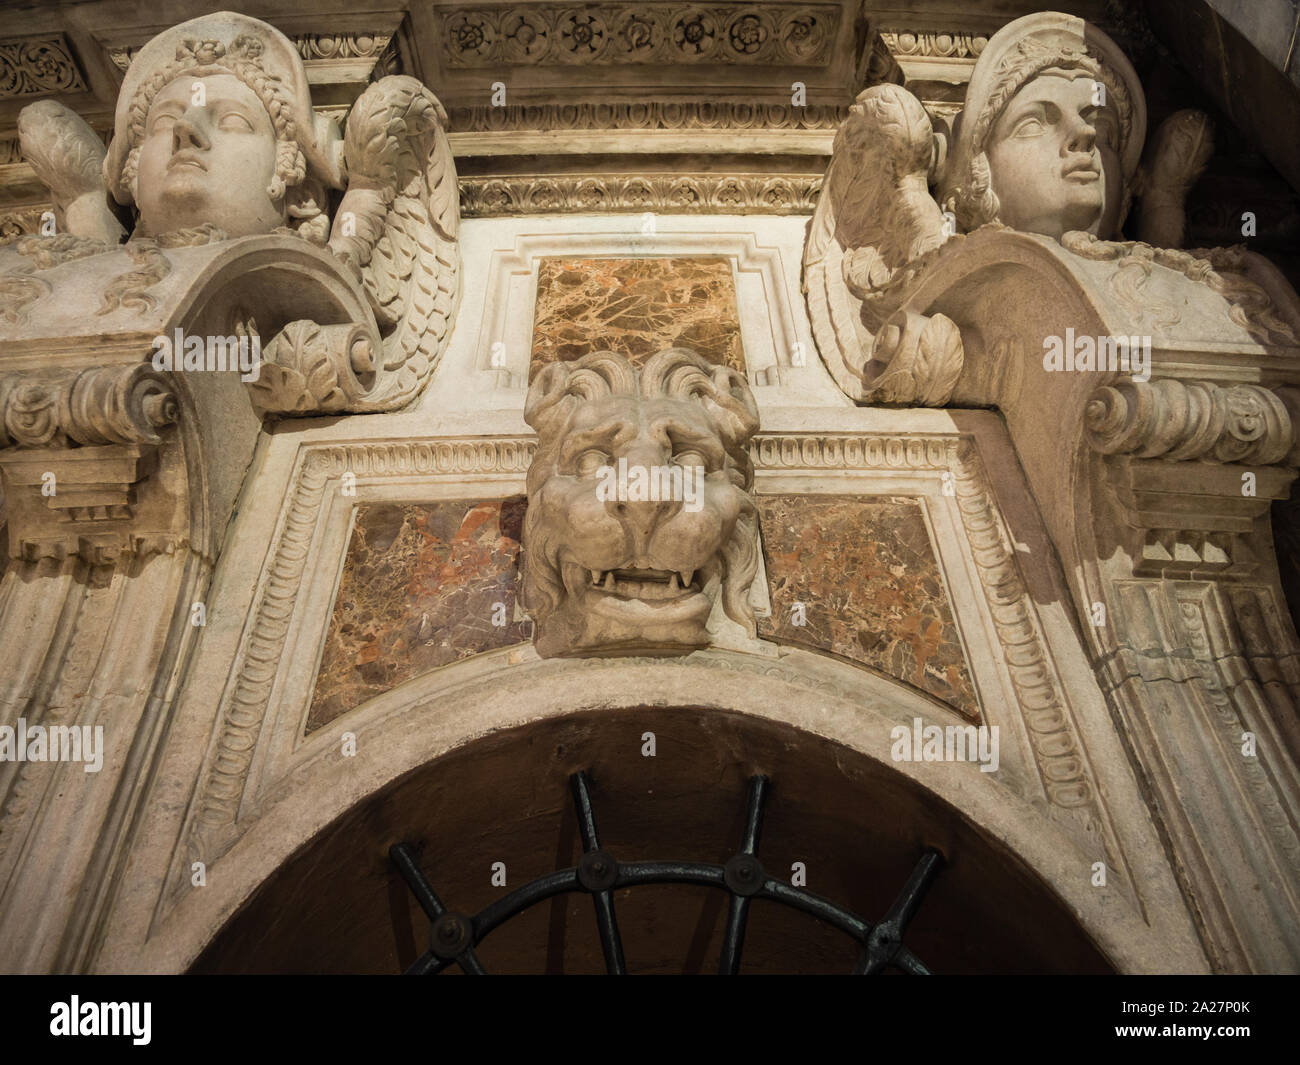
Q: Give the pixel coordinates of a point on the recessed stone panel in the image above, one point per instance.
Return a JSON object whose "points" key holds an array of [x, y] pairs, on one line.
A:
{"points": [[420, 588], [865, 570], [636, 307]]}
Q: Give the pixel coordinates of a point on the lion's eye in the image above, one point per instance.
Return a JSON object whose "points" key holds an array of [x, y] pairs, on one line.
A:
{"points": [[590, 461], [688, 458]]}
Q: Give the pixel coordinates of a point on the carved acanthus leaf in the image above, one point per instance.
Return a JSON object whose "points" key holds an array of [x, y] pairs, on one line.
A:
{"points": [[916, 360], [397, 228], [309, 369], [1176, 156], [874, 219]]}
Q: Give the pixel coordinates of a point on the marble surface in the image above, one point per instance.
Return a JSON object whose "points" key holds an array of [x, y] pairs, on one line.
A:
{"points": [[635, 307], [419, 589], [866, 572]]}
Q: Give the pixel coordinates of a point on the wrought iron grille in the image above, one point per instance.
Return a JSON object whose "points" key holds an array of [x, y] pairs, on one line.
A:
{"points": [[453, 936]]}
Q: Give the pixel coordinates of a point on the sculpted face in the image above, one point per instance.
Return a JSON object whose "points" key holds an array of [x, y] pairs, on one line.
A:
{"points": [[608, 571], [211, 161], [1053, 157]]}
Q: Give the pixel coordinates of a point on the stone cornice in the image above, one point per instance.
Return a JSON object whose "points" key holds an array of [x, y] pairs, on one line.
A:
{"points": [[647, 32], [668, 193]]}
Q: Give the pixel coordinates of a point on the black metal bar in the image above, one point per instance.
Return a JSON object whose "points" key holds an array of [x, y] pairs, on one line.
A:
{"points": [[586, 815], [816, 906], [425, 965], [403, 857], [743, 878], [733, 938], [611, 944], [758, 788], [521, 898], [886, 939]]}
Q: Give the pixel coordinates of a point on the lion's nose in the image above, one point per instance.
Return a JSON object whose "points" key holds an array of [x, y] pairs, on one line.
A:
{"points": [[640, 519]]}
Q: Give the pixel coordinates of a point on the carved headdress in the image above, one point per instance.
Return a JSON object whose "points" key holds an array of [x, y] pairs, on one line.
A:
{"points": [[1015, 55], [259, 56]]}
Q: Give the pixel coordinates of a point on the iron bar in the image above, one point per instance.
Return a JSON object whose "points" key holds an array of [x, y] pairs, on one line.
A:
{"points": [[403, 856], [886, 939], [742, 878], [611, 945], [733, 938]]}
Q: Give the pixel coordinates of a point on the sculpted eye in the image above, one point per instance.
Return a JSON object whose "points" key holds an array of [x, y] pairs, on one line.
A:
{"points": [[234, 122], [162, 123], [590, 461], [1032, 126], [689, 457]]}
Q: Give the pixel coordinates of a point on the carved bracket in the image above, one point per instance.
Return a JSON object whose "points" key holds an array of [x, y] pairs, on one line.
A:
{"points": [[310, 368], [75, 447], [1193, 466]]}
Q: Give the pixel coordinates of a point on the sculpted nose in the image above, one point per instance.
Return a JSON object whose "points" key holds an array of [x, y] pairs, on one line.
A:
{"points": [[640, 519], [1082, 137], [188, 132]]}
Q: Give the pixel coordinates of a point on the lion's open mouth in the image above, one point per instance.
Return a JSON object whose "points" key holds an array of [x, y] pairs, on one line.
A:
{"points": [[645, 583]]}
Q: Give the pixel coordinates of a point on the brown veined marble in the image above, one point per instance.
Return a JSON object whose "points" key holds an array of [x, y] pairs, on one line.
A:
{"points": [[419, 589], [869, 579], [635, 307]]}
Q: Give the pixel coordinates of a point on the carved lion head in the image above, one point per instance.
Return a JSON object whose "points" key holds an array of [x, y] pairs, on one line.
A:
{"points": [[622, 554]]}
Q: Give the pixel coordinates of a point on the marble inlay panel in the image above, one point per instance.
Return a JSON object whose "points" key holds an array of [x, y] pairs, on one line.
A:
{"points": [[419, 589], [867, 574], [635, 307]]}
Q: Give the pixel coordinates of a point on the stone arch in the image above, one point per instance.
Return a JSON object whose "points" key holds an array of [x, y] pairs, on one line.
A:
{"points": [[447, 712]]}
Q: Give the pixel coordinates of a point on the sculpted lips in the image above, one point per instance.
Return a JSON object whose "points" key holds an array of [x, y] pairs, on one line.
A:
{"points": [[186, 159], [1083, 172]]}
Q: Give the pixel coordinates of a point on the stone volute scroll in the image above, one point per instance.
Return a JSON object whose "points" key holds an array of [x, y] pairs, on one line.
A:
{"points": [[639, 515]]}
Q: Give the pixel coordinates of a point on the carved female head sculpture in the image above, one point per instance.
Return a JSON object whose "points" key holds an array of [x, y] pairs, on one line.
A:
{"points": [[639, 515], [214, 125], [1051, 132]]}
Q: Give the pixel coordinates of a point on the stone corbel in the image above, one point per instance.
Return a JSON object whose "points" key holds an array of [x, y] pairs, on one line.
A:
{"points": [[76, 448], [1192, 466], [309, 368]]}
